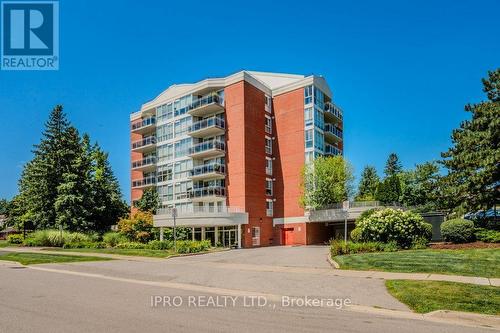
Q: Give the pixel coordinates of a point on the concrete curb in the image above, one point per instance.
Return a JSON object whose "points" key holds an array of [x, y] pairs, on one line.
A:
{"points": [[332, 262]]}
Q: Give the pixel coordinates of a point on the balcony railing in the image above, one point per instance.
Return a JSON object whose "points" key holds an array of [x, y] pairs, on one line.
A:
{"points": [[144, 123], [150, 140], [208, 168], [207, 145], [210, 99], [333, 130], [151, 160], [147, 181], [210, 191], [206, 123], [329, 149], [203, 210], [334, 110]]}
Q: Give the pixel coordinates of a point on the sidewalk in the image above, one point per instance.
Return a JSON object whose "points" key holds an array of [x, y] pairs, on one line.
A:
{"points": [[414, 276]]}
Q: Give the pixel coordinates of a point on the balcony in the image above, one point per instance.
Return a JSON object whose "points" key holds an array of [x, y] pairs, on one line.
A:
{"points": [[210, 193], [144, 145], [144, 182], [332, 150], [208, 171], [145, 125], [205, 106], [332, 133], [146, 164], [201, 216], [213, 148], [212, 126], [333, 112]]}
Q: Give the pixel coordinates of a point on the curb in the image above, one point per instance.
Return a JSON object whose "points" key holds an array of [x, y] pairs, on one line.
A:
{"points": [[332, 262]]}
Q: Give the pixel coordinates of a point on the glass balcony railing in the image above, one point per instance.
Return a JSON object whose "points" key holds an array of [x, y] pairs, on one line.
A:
{"points": [[145, 122], [207, 145], [208, 168], [334, 110], [331, 150], [206, 123], [210, 191], [333, 130], [151, 160], [211, 99], [144, 142], [146, 181]]}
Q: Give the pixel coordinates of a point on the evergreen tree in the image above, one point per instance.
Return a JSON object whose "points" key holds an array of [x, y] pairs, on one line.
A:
{"points": [[389, 190], [473, 162], [149, 201], [421, 186], [393, 165], [107, 197], [368, 184]]}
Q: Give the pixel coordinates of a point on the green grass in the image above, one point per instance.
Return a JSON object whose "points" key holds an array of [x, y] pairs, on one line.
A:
{"points": [[470, 262], [4, 243], [25, 258], [427, 296]]}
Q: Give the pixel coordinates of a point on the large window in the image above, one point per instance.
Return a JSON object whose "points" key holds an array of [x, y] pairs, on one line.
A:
{"points": [[182, 169], [319, 98], [269, 166], [165, 153], [308, 138], [319, 140], [182, 126], [166, 192], [308, 92], [269, 186], [164, 132], [269, 125], [164, 112], [269, 145], [181, 189], [182, 147], [319, 120], [308, 116], [164, 173], [269, 207]]}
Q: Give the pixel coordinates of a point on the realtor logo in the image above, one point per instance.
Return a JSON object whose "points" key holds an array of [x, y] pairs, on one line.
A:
{"points": [[30, 35]]}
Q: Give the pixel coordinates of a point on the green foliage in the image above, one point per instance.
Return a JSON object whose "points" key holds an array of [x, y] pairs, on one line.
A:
{"points": [[137, 228], [472, 161], [487, 236], [389, 224], [393, 166], [160, 245], [192, 246], [458, 231], [368, 184], [149, 201], [68, 183], [420, 243], [131, 245], [340, 247], [325, 181], [84, 245], [4, 207], [421, 186], [427, 231], [389, 190], [356, 235], [15, 239], [112, 238], [54, 238]]}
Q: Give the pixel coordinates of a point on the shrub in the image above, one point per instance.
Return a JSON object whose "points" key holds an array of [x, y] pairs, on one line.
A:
{"points": [[389, 224], [15, 239], [112, 238], [76, 237], [82, 245], [427, 231], [131, 245], [488, 236], [391, 246], [184, 246], [458, 231], [55, 238], [339, 247], [160, 245], [420, 243], [139, 227], [356, 235]]}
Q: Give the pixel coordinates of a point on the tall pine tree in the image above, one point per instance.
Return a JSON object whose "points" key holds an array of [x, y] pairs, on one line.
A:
{"points": [[368, 184], [393, 165], [473, 162]]}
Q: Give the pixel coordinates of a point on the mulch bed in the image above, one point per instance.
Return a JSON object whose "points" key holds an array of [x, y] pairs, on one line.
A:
{"points": [[474, 245]]}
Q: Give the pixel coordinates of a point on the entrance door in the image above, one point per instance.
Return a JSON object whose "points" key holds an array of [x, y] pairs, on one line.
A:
{"points": [[288, 236], [255, 236]]}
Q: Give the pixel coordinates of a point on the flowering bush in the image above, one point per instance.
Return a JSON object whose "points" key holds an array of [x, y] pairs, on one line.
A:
{"points": [[403, 227]]}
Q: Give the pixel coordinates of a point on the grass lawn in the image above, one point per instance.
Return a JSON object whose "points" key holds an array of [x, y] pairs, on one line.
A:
{"points": [[42, 258], [471, 262], [4, 243], [427, 296], [125, 252]]}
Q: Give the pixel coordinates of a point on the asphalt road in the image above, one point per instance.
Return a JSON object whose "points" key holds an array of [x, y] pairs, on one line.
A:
{"points": [[197, 294]]}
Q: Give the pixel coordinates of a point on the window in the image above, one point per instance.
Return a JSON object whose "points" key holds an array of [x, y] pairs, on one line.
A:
{"points": [[308, 116], [164, 132], [269, 125], [164, 173], [269, 145], [182, 169], [319, 140], [165, 153], [269, 207], [166, 192], [164, 112], [309, 157], [319, 98], [269, 166], [181, 189], [182, 126], [308, 92], [269, 186], [319, 120], [308, 134], [268, 104], [182, 147]]}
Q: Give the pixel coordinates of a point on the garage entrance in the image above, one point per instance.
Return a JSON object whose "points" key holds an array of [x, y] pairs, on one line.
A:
{"points": [[287, 236]]}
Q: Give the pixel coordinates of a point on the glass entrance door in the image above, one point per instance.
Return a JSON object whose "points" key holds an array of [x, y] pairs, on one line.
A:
{"points": [[228, 236]]}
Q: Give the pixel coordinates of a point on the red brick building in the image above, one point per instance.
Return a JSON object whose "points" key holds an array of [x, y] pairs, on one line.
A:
{"points": [[227, 154]]}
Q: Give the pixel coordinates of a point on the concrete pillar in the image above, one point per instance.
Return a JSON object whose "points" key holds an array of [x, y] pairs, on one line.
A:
{"points": [[192, 233], [202, 233], [239, 236], [161, 233], [216, 229]]}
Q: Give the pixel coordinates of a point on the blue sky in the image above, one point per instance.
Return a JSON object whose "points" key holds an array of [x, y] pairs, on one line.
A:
{"points": [[401, 70]]}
